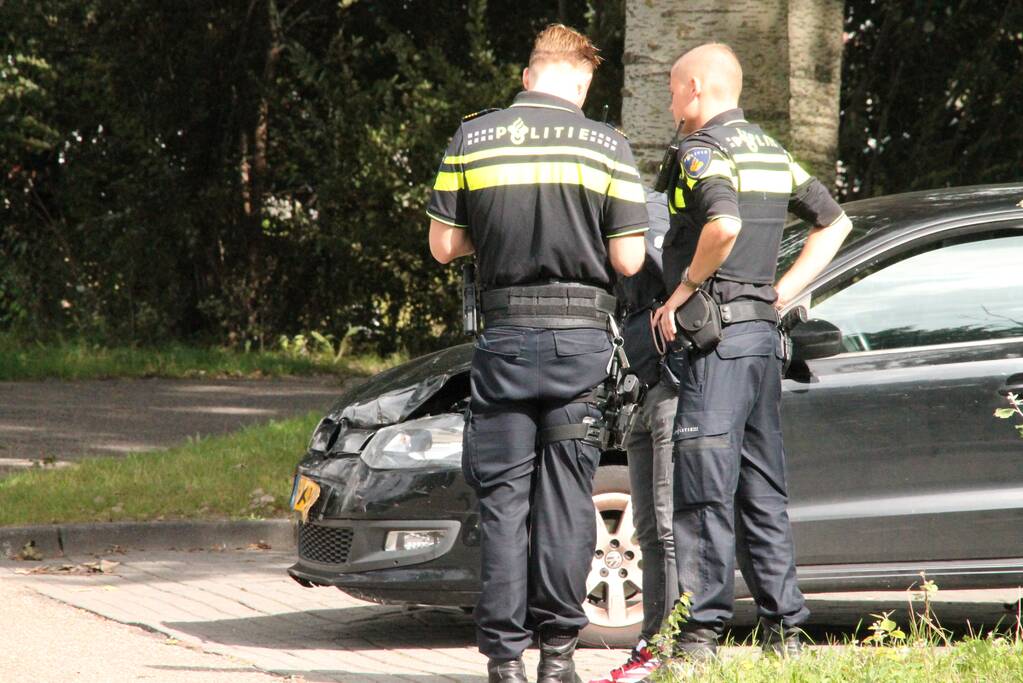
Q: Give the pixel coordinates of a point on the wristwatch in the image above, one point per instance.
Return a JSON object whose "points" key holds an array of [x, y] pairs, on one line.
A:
{"points": [[689, 283]]}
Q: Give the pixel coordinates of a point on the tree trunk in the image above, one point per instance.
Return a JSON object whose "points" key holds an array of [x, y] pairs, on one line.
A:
{"points": [[790, 51]]}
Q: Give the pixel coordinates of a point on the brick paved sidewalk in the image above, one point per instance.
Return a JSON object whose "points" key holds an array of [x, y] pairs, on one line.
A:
{"points": [[241, 603]]}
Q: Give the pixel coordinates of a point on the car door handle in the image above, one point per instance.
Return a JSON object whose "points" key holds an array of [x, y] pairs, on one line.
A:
{"points": [[1013, 385]]}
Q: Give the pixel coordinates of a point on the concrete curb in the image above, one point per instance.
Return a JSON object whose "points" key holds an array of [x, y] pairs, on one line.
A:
{"points": [[71, 539]]}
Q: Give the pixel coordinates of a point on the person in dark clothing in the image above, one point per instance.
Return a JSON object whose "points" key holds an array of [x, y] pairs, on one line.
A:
{"points": [[734, 188], [551, 204]]}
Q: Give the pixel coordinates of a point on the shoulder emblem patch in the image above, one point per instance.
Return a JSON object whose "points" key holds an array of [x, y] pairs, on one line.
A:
{"points": [[696, 161], [477, 114]]}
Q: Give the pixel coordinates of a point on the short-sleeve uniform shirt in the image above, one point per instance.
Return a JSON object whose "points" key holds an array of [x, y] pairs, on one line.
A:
{"points": [[540, 188], [731, 168]]}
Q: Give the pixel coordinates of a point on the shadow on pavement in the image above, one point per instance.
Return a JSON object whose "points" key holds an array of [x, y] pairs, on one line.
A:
{"points": [[333, 675], [324, 675], [371, 627]]}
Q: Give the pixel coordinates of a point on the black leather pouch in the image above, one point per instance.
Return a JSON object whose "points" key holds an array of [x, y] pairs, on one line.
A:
{"points": [[698, 320]]}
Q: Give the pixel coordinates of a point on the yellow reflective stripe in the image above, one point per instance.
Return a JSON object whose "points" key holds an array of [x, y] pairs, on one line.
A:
{"points": [[537, 173], [564, 173], [717, 167], [767, 158], [776, 182], [563, 150], [720, 167], [449, 182], [680, 199], [626, 190], [799, 176]]}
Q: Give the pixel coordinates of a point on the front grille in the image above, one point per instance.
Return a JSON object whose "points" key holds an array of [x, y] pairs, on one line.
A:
{"points": [[327, 544]]}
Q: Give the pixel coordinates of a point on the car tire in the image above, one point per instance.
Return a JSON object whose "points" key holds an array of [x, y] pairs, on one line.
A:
{"points": [[614, 602]]}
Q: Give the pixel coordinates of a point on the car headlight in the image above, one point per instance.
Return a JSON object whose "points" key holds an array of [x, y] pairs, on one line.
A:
{"points": [[426, 442]]}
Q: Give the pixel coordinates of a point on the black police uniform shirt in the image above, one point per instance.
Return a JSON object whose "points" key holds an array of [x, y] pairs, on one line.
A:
{"points": [[540, 188], [732, 168]]}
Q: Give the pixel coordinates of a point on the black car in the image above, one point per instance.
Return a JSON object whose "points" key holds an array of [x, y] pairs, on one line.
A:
{"points": [[896, 463]]}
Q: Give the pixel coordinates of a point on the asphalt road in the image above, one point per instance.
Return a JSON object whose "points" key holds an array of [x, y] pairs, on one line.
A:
{"points": [[67, 421]]}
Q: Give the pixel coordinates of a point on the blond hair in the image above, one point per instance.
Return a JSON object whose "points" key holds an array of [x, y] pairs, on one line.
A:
{"points": [[559, 43]]}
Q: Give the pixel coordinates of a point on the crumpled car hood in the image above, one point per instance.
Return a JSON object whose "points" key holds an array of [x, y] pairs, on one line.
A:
{"points": [[395, 395]]}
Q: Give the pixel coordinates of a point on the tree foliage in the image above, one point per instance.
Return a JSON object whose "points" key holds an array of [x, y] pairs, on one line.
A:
{"points": [[238, 170], [932, 93]]}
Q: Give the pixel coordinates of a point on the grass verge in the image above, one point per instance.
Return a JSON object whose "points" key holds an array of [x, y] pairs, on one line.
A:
{"points": [[79, 360], [246, 474], [994, 659]]}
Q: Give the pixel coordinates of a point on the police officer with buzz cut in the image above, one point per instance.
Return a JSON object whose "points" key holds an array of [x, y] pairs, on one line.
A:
{"points": [[551, 204], [734, 187]]}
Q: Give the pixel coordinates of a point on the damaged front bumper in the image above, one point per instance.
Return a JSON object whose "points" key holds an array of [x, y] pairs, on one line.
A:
{"points": [[407, 536]]}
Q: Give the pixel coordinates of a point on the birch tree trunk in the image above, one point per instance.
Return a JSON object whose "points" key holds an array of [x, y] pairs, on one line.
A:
{"points": [[790, 50]]}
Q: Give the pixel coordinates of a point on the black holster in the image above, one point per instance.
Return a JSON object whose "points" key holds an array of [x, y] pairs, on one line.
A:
{"points": [[699, 322]]}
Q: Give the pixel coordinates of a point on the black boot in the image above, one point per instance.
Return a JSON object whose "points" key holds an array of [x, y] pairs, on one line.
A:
{"points": [[777, 639], [556, 665], [506, 671], [697, 643]]}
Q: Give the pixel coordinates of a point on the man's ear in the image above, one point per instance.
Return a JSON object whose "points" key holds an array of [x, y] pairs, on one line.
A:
{"points": [[526, 77], [696, 86], [583, 86]]}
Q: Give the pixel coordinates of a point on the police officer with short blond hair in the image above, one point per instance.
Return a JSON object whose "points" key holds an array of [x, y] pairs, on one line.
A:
{"points": [[551, 204], [734, 188]]}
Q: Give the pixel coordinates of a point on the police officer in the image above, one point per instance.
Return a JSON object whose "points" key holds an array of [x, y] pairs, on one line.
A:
{"points": [[551, 203], [735, 185]]}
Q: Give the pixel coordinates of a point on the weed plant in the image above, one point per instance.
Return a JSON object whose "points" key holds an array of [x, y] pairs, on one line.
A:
{"points": [[922, 652]]}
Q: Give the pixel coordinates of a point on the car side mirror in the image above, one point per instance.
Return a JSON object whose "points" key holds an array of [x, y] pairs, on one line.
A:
{"points": [[815, 339]]}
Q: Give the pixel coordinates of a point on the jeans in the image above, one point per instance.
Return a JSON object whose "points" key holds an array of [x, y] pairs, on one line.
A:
{"points": [[650, 472]]}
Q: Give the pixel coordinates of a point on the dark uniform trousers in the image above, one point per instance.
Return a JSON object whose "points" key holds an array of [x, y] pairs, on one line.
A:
{"points": [[730, 480], [537, 519]]}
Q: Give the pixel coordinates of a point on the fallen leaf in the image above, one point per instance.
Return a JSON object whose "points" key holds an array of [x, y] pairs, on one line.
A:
{"points": [[29, 552], [259, 545]]}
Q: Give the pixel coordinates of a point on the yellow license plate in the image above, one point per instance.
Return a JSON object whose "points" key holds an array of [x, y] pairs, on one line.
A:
{"points": [[304, 493]]}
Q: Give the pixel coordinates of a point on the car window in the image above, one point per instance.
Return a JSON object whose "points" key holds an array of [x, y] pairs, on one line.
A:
{"points": [[968, 289]]}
